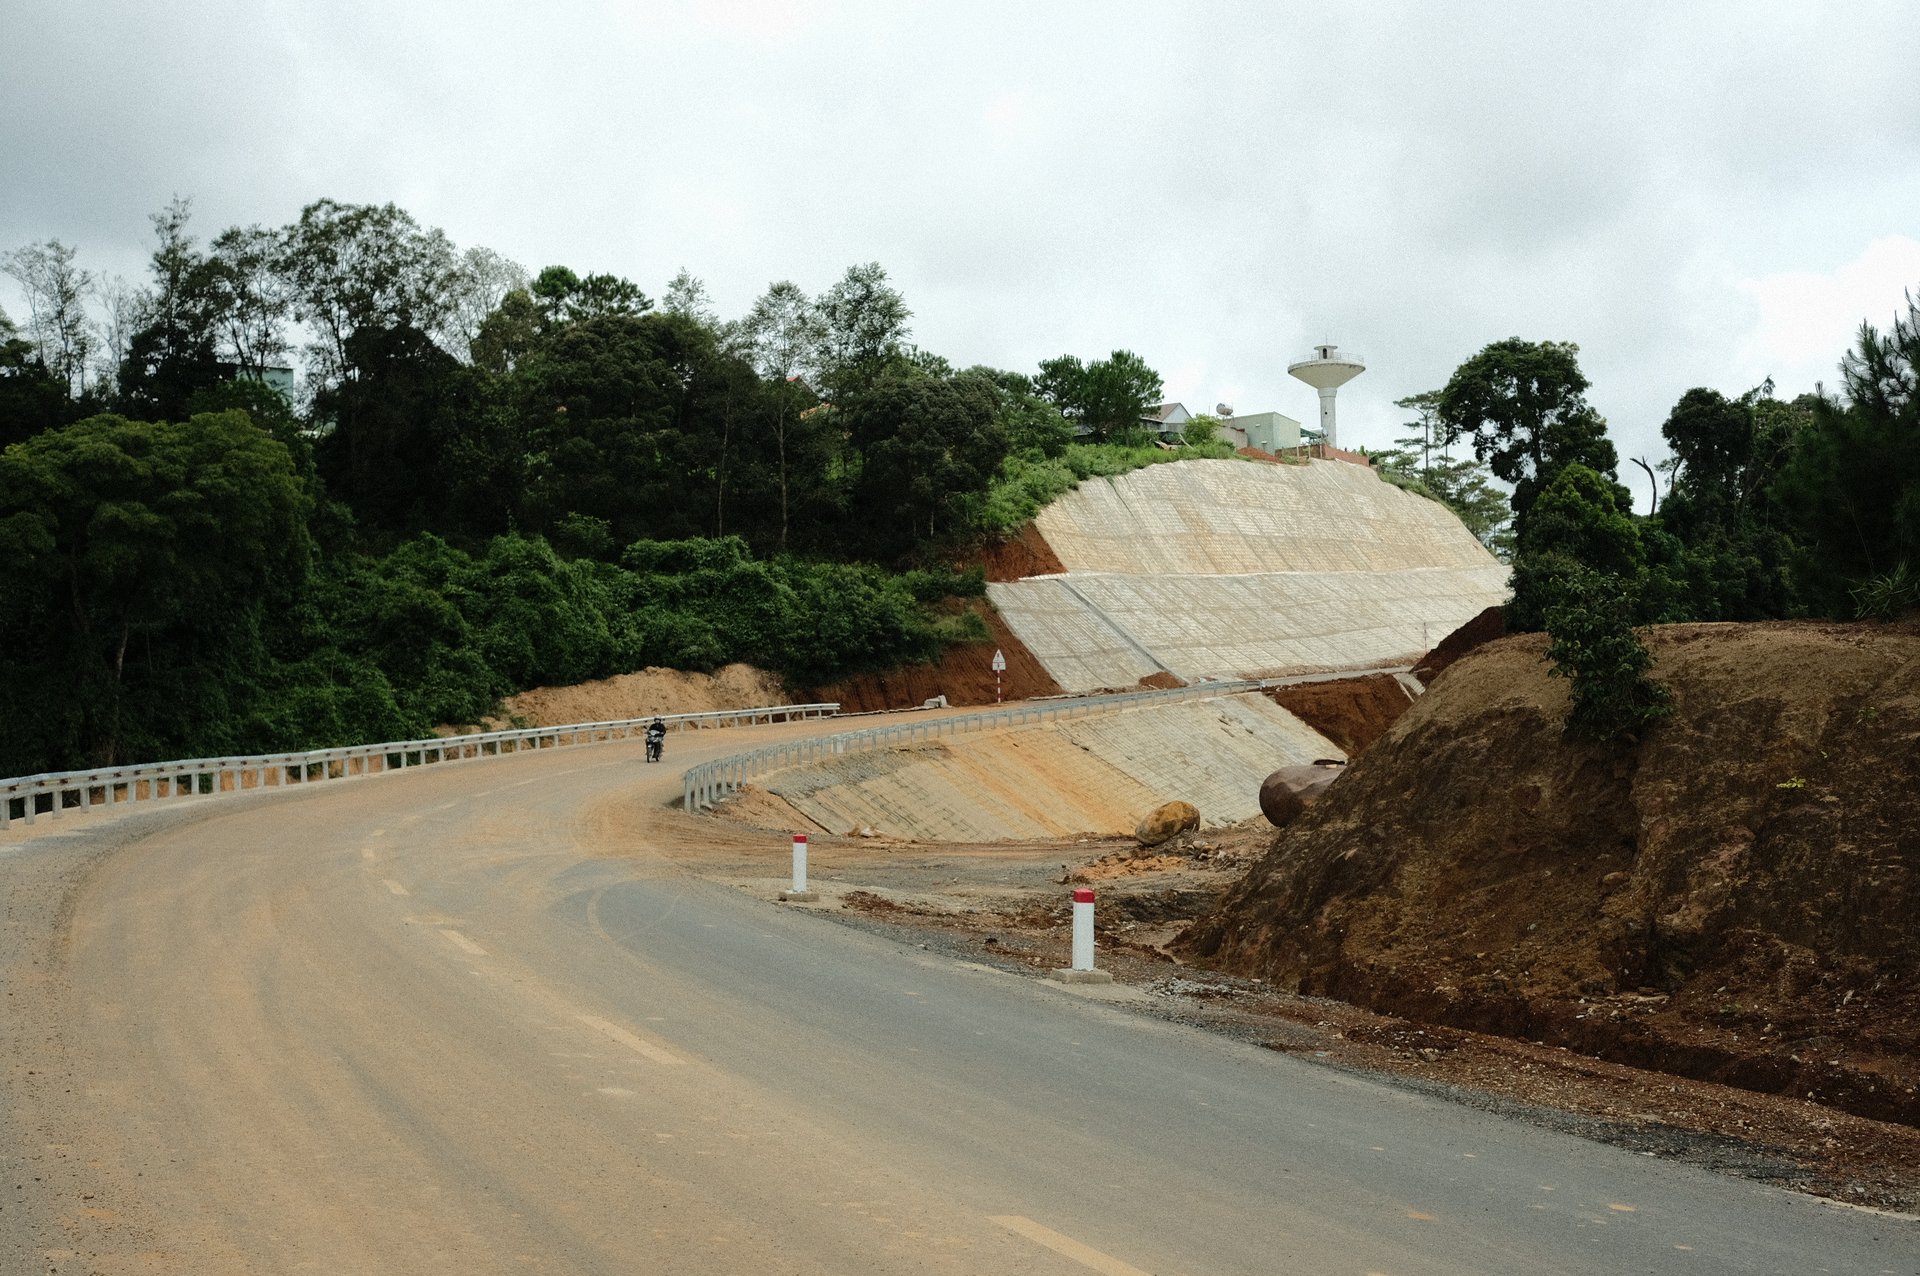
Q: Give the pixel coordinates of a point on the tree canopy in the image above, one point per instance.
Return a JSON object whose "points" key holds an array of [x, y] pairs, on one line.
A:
{"points": [[1523, 404]]}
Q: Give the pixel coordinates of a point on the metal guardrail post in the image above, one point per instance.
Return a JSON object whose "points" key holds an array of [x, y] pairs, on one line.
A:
{"points": [[704, 785], [170, 780]]}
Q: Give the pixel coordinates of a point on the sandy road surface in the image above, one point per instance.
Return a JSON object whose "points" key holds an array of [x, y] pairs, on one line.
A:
{"points": [[437, 1021]]}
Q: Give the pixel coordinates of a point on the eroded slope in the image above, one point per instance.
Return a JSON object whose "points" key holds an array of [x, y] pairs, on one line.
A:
{"points": [[1731, 898]]}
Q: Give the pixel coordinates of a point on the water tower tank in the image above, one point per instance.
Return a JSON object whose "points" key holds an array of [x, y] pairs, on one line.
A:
{"points": [[1326, 372]]}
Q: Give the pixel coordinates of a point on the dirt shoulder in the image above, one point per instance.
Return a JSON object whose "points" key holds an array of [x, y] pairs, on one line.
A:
{"points": [[1007, 905]]}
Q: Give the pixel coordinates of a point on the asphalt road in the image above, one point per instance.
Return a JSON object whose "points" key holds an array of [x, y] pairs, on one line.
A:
{"points": [[439, 1021]]}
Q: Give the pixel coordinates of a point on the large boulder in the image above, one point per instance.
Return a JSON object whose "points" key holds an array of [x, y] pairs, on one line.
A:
{"points": [[1165, 822], [1292, 789]]}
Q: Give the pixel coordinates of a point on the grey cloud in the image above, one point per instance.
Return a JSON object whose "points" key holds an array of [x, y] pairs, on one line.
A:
{"points": [[1214, 186]]}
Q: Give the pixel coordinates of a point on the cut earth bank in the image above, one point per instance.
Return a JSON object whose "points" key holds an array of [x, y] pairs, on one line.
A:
{"points": [[1727, 901]]}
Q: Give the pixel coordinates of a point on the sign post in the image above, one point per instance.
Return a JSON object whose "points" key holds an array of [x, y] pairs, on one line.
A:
{"points": [[999, 667]]}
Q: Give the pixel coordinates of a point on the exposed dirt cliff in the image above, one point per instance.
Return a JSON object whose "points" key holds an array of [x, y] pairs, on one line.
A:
{"points": [[1732, 897], [963, 674], [1351, 712]]}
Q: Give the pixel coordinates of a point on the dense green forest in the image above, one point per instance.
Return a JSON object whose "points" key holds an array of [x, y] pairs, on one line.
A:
{"points": [[489, 479]]}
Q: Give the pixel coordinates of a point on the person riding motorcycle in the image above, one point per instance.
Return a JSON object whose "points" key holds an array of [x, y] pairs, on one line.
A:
{"points": [[656, 739]]}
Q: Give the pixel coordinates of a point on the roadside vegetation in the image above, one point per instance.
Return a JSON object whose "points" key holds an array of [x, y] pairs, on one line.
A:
{"points": [[486, 479], [1029, 480], [1772, 508]]}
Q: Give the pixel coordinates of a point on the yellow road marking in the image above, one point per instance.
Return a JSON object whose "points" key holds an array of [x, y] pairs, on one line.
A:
{"points": [[394, 886], [1418, 1217], [1623, 1209], [464, 942], [1085, 1255], [645, 1049]]}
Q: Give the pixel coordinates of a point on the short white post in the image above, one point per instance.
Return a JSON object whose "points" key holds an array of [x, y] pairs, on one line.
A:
{"points": [[799, 894], [1082, 971], [1083, 929]]}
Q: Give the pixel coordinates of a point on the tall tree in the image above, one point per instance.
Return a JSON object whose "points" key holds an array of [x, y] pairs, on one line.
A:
{"points": [[122, 305], [782, 334], [1107, 397], [56, 289], [1524, 405], [1426, 434], [687, 297], [251, 297], [930, 447], [355, 267], [479, 282], [172, 355], [860, 326], [567, 298], [1852, 487]]}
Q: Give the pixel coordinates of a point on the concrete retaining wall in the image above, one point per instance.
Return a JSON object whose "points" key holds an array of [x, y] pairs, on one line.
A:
{"points": [[1231, 569], [1092, 775]]}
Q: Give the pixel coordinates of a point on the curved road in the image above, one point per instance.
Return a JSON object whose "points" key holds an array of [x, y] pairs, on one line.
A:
{"points": [[462, 1019]]}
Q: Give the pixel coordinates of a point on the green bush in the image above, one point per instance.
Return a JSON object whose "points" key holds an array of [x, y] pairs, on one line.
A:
{"points": [[1029, 481], [1590, 621], [1887, 596]]}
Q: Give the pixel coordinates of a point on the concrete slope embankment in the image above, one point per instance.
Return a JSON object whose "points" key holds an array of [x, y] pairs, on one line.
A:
{"points": [[1231, 569], [1088, 775]]}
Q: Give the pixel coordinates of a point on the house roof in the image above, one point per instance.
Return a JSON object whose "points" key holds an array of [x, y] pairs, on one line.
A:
{"points": [[1159, 412]]}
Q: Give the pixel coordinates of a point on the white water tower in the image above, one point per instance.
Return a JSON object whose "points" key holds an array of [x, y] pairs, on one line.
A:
{"points": [[1326, 372]]}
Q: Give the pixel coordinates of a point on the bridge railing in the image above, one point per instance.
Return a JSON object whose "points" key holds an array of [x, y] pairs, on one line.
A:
{"points": [[711, 782], [61, 793]]}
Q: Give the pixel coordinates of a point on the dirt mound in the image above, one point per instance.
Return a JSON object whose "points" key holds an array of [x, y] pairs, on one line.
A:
{"points": [[1351, 712], [1731, 898], [643, 694], [1482, 629], [963, 674], [1025, 553]]}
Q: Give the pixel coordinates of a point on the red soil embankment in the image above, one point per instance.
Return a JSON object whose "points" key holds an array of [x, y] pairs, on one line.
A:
{"points": [[963, 674], [1731, 897], [1482, 629], [1025, 553], [1351, 712]]}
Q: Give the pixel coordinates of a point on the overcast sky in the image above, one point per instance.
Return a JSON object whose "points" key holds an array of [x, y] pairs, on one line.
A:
{"points": [[1697, 194]]}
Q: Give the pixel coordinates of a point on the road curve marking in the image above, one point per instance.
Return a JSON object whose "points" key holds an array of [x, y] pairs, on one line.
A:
{"points": [[394, 886], [1085, 1255], [463, 942], [645, 1049]]}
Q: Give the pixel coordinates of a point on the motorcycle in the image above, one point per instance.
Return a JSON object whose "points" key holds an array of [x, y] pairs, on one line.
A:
{"points": [[656, 745]]}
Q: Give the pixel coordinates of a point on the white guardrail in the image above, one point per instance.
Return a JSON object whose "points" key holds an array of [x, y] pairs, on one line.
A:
{"points": [[711, 782], [77, 792]]}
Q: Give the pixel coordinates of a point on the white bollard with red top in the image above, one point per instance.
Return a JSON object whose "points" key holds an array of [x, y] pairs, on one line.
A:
{"points": [[799, 894], [1082, 971], [1083, 929]]}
